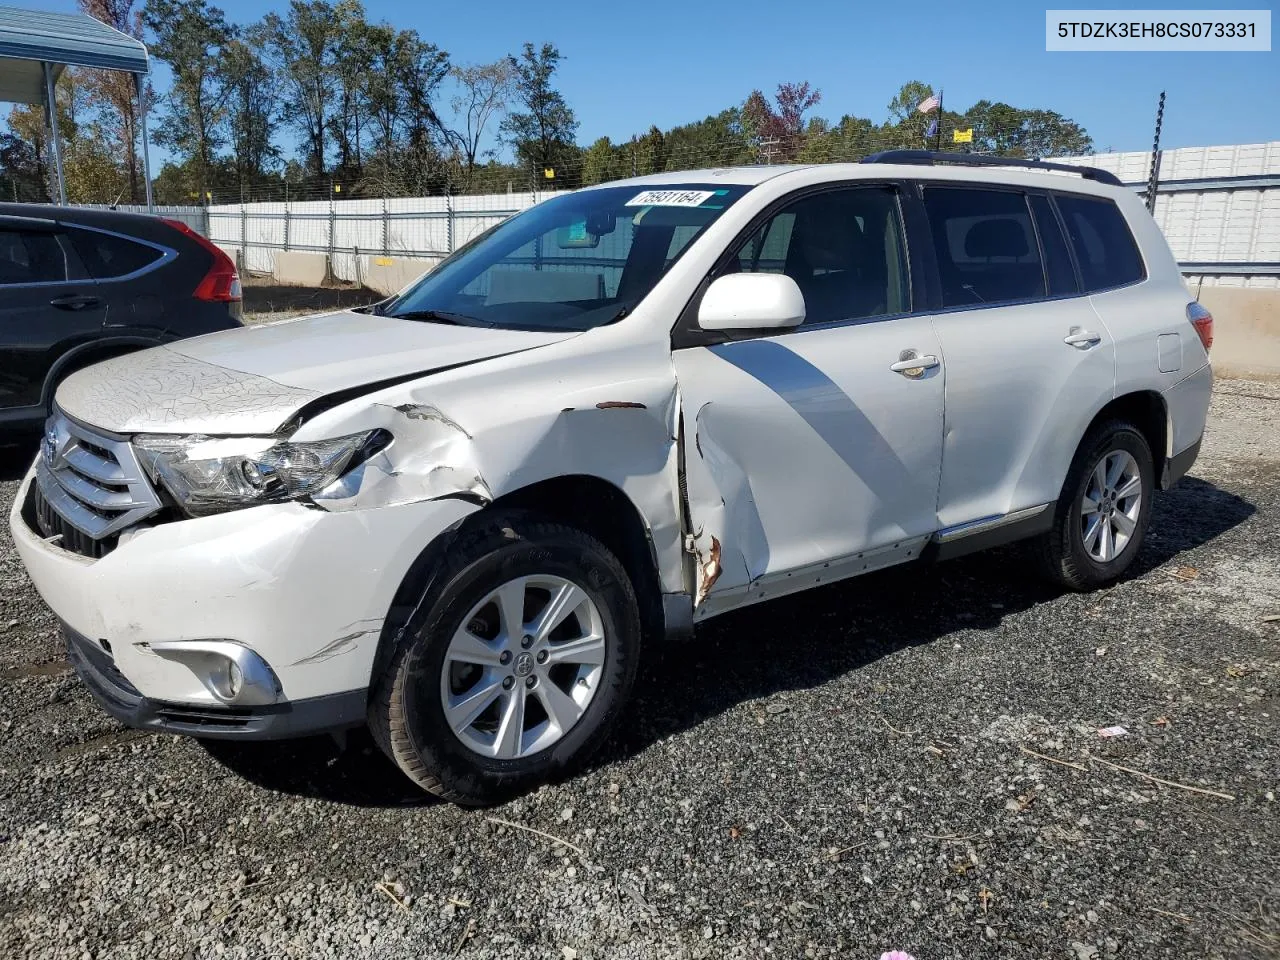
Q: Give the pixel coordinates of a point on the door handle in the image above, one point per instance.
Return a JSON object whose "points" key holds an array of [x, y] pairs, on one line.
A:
{"points": [[1082, 339], [911, 364], [74, 302]]}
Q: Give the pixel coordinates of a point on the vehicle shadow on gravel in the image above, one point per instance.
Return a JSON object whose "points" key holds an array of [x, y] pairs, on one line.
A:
{"points": [[805, 640], [784, 645]]}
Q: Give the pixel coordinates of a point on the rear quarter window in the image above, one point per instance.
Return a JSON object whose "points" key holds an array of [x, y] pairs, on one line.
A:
{"points": [[1104, 247], [107, 256]]}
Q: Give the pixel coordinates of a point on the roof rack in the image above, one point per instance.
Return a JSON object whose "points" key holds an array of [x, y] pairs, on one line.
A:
{"points": [[930, 157]]}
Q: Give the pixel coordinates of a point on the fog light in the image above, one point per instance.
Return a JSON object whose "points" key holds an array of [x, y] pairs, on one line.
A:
{"points": [[233, 673], [227, 679]]}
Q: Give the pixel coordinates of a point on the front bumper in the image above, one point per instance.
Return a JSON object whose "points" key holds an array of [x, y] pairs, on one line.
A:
{"points": [[119, 698], [307, 589]]}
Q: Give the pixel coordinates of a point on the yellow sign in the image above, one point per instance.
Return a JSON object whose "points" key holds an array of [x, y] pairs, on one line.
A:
{"points": [[337, 188], [962, 136], [549, 173]]}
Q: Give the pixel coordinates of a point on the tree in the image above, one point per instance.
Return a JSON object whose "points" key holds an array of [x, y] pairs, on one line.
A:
{"points": [[23, 174], [425, 67], [252, 102], [718, 140], [778, 133], [92, 172], [116, 92], [543, 133], [301, 46], [907, 125], [1013, 132], [906, 101], [189, 36], [604, 161], [382, 94], [483, 91], [850, 139], [352, 62]]}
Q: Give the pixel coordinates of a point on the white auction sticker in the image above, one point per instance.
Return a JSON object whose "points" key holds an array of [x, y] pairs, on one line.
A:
{"points": [[1235, 30], [670, 198]]}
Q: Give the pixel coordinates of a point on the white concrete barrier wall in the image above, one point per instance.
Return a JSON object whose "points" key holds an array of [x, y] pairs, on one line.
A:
{"points": [[351, 230], [300, 269], [388, 275]]}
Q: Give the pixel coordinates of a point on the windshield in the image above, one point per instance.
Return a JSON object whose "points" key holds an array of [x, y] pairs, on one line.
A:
{"points": [[569, 263]]}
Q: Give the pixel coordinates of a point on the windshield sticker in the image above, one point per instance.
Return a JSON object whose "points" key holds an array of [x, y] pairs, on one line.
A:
{"points": [[670, 198]]}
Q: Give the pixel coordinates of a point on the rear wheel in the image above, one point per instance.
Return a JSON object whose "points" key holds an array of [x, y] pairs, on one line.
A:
{"points": [[1101, 518], [520, 667]]}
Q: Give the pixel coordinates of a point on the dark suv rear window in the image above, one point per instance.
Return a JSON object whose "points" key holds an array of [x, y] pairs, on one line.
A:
{"points": [[28, 256], [107, 256], [1105, 249]]}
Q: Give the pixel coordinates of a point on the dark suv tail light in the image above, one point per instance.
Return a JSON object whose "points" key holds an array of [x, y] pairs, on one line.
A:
{"points": [[222, 283], [1202, 320]]}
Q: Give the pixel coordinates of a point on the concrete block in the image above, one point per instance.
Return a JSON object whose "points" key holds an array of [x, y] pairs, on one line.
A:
{"points": [[1246, 330], [301, 269], [388, 275]]}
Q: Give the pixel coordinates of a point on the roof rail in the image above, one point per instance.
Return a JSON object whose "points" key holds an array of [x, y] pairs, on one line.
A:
{"points": [[930, 157]]}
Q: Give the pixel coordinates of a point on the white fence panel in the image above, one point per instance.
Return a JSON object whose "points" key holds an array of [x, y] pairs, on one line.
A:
{"points": [[1205, 223]]}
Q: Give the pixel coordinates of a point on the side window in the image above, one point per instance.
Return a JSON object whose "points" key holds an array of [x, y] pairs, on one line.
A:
{"points": [[844, 250], [985, 245], [31, 256], [766, 251], [1105, 249], [1057, 259], [106, 256]]}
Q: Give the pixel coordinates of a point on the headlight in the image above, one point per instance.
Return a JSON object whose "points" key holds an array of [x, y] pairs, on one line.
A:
{"points": [[212, 474]]}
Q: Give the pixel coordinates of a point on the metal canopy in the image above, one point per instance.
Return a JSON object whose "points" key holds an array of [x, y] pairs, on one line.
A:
{"points": [[35, 47], [73, 39]]}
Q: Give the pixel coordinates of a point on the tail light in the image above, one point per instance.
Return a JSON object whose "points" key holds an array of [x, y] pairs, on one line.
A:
{"points": [[222, 283], [1202, 320]]}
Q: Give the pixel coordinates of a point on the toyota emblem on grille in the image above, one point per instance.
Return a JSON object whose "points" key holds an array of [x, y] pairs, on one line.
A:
{"points": [[50, 446]]}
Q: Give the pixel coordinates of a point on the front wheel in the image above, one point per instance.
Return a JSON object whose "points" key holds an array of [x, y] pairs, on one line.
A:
{"points": [[1102, 517], [520, 667]]}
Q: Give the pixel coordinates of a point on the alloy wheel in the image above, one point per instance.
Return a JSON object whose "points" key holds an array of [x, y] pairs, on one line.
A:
{"points": [[1111, 506], [523, 667]]}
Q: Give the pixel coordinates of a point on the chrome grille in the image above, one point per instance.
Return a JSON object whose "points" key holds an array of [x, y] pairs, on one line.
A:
{"points": [[91, 479]]}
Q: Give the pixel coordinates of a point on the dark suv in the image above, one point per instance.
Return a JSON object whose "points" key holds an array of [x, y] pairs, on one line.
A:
{"points": [[79, 286]]}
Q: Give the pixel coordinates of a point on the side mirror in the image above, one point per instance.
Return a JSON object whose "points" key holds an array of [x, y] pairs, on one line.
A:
{"points": [[751, 301]]}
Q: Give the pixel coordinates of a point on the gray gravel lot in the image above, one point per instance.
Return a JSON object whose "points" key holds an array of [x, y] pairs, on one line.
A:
{"points": [[833, 775]]}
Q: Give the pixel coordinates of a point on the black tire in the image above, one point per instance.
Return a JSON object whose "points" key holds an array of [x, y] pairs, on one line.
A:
{"points": [[1061, 552], [406, 714]]}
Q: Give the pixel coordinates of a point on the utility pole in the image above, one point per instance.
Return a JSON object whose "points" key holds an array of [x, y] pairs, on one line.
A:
{"points": [[1153, 181], [937, 131]]}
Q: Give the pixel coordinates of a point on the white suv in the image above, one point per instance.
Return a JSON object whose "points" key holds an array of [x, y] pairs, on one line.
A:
{"points": [[457, 516]]}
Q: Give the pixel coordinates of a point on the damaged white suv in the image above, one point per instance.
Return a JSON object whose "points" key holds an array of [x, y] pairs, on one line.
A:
{"points": [[458, 515]]}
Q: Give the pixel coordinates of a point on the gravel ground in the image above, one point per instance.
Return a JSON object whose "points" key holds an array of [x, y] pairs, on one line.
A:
{"points": [[833, 775]]}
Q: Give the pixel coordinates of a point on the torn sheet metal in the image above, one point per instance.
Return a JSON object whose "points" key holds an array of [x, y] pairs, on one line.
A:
{"points": [[432, 456], [795, 458], [496, 428]]}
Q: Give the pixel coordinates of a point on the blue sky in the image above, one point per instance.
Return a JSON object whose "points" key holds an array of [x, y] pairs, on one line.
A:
{"points": [[629, 65]]}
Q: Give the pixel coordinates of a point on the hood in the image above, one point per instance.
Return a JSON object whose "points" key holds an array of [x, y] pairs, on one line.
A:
{"points": [[252, 379]]}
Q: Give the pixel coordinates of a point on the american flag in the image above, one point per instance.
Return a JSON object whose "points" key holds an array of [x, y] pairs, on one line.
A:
{"points": [[932, 103]]}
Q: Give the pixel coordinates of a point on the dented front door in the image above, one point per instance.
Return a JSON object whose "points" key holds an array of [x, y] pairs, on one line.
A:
{"points": [[805, 448]]}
